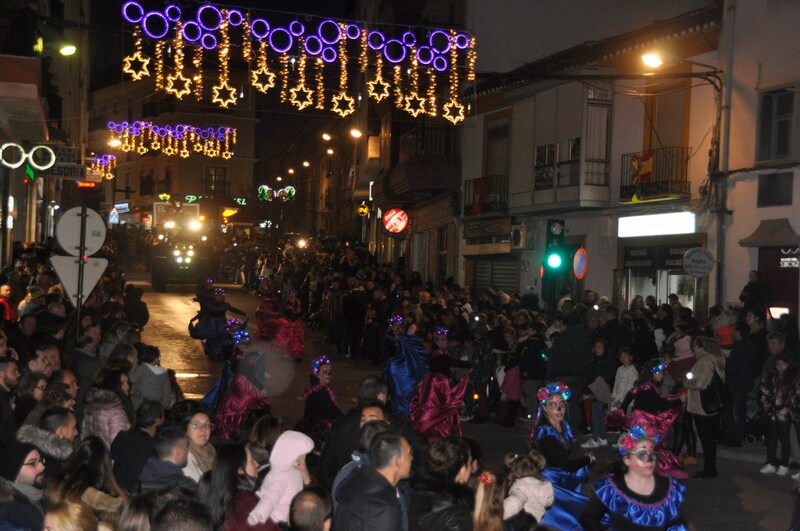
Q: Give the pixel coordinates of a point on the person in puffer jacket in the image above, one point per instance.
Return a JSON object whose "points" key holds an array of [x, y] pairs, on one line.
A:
{"points": [[285, 479]]}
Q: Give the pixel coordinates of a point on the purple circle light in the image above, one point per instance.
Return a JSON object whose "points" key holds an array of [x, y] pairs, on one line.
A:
{"points": [[217, 17], [296, 28], [119, 129], [111, 125], [173, 13], [259, 28], [313, 45], [462, 40], [409, 39], [445, 40], [282, 34], [135, 19], [208, 41], [440, 63], [235, 17], [424, 55], [222, 130], [148, 31], [329, 54], [204, 135], [179, 136], [180, 128], [124, 124], [137, 124], [191, 31], [353, 31], [162, 132], [397, 54], [376, 40], [322, 30]]}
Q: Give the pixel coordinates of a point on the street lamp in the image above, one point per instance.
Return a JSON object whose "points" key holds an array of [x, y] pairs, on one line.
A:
{"points": [[355, 133], [329, 151], [279, 178], [290, 171], [115, 142], [326, 137], [67, 49], [306, 164], [652, 60]]}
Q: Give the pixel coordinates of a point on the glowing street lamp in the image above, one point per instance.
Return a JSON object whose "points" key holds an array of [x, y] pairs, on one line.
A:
{"points": [[326, 137], [290, 171], [355, 133], [306, 164], [115, 142], [67, 49], [329, 151], [653, 59]]}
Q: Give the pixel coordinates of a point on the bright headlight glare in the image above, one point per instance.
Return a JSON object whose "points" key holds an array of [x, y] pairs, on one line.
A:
{"points": [[188, 260], [179, 259], [190, 253], [176, 252]]}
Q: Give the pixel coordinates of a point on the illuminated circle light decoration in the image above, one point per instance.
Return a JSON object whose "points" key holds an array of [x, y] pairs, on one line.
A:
{"points": [[265, 193], [425, 68], [181, 139], [106, 164], [39, 157], [395, 220]]}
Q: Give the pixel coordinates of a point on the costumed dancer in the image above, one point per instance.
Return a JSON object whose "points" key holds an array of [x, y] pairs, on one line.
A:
{"points": [[552, 436], [211, 320], [633, 495], [246, 392], [436, 402], [405, 367], [321, 404], [289, 332], [652, 409], [211, 400], [266, 312]]}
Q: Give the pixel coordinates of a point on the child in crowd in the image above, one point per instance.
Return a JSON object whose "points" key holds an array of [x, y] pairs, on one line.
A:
{"points": [[625, 378], [527, 490], [776, 394], [601, 379]]}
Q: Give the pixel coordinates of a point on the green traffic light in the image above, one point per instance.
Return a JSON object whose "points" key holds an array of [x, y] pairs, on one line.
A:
{"points": [[554, 261]]}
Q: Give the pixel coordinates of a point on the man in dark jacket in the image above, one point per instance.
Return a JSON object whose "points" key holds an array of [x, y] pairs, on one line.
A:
{"points": [[166, 470], [754, 293], [9, 377], [84, 363], [440, 498], [368, 499], [21, 483], [54, 437], [570, 357], [132, 448], [741, 369]]}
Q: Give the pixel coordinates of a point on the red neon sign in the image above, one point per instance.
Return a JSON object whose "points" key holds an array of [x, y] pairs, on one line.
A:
{"points": [[86, 184], [395, 220]]}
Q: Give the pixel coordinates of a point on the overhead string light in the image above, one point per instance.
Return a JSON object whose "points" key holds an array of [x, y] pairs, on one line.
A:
{"points": [[426, 72], [180, 139], [107, 164]]}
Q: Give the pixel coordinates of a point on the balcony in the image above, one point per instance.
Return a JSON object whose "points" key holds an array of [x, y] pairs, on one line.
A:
{"points": [[486, 195], [421, 141], [655, 175]]}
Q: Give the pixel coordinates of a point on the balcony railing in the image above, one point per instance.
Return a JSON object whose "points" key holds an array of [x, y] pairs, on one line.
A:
{"points": [[655, 174], [426, 141], [487, 194]]}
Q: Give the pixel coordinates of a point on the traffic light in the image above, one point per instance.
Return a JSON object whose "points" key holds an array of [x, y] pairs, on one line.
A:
{"points": [[555, 257]]}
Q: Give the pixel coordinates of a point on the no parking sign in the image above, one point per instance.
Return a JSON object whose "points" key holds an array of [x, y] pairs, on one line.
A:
{"points": [[580, 263]]}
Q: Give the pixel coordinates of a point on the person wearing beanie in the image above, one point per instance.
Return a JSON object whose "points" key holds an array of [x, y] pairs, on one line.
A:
{"points": [[21, 482], [33, 301]]}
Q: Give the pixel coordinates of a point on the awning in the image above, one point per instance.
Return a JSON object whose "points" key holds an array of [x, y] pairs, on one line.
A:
{"points": [[772, 233]]}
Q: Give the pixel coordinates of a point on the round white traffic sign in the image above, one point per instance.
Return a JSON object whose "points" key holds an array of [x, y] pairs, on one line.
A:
{"points": [[698, 262], [68, 231]]}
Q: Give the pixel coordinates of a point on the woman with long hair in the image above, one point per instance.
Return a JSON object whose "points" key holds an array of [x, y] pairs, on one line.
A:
{"points": [[109, 409], [633, 495], [201, 451], [87, 476], [320, 400], [228, 489], [28, 395], [489, 494], [710, 363], [120, 332], [67, 515]]}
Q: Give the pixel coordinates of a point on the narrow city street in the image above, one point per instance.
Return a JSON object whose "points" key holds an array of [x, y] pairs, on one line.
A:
{"points": [[740, 499]]}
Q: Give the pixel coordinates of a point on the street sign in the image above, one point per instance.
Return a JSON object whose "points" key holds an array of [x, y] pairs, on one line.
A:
{"points": [[113, 217], [66, 267], [698, 262], [66, 154], [68, 231], [362, 210], [77, 172], [580, 263]]}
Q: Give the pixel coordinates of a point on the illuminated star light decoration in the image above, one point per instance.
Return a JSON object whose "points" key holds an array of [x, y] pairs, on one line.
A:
{"points": [[106, 164], [181, 139], [427, 68], [265, 193]]}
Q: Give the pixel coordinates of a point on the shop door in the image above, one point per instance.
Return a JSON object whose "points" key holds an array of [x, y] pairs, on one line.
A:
{"points": [[500, 273], [659, 283]]}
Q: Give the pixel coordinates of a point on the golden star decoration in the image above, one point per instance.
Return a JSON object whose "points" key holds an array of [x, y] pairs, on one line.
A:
{"points": [[136, 73], [301, 96], [141, 150], [223, 94], [343, 104], [378, 88], [226, 155], [454, 111], [414, 104], [262, 79], [178, 85]]}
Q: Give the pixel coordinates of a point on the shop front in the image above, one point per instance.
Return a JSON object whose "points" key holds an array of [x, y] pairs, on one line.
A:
{"points": [[489, 261]]}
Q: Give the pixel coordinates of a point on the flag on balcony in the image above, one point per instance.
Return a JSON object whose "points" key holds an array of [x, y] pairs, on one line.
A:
{"points": [[642, 167], [478, 195]]}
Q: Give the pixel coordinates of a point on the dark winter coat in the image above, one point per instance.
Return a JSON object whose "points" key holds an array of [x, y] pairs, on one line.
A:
{"points": [[17, 511], [342, 441], [130, 451], [571, 353], [7, 423], [366, 502], [440, 505], [54, 450], [161, 475]]}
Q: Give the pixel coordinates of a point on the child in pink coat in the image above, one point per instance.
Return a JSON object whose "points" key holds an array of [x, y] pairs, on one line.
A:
{"points": [[284, 480], [527, 490]]}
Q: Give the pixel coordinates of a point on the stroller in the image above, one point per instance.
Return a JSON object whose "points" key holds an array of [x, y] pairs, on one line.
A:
{"points": [[755, 426]]}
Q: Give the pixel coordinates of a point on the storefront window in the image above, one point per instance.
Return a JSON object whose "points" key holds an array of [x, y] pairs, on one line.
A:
{"points": [[660, 283]]}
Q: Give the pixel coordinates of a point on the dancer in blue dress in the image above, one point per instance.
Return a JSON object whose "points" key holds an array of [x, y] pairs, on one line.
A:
{"points": [[552, 436], [633, 496], [405, 367]]}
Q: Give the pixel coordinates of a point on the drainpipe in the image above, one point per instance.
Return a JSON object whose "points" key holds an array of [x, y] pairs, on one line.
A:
{"points": [[721, 176]]}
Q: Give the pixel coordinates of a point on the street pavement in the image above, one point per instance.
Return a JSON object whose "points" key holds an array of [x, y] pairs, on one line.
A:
{"points": [[740, 499]]}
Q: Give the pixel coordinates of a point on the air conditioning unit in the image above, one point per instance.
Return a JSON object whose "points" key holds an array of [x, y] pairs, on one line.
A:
{"points": [[521, 239]]}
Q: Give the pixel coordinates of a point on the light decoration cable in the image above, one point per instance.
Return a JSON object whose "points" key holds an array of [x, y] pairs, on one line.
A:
{"points": [[106, 164], [427, 66], [180, 139]]}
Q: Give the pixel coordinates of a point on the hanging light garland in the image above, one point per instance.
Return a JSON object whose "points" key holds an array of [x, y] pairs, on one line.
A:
{"points": [[107, 164], [265, 193], [426, 65], [180, 139]]}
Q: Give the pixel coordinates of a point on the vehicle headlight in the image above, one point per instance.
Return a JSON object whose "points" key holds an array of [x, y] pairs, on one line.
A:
{"points": [[169, 225], [179, 259], [188, 260], [195, 225], [176, 252], [204, 238], [190, 253]]}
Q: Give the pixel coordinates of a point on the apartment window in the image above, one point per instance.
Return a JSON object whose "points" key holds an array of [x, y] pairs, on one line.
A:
{"points": [[775, 189], [216, 180], [146, 182], [775, 124], [569, 161], [544, 167], [165, 185]]}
